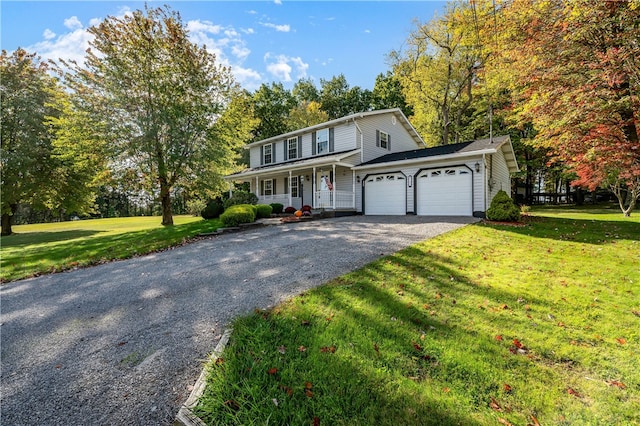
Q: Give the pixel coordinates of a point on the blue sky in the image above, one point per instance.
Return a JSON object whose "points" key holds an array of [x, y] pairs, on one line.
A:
{"points": [[263, 41]]}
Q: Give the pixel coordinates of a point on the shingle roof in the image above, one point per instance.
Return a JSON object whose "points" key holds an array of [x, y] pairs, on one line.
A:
{"points": [[458, 148]]}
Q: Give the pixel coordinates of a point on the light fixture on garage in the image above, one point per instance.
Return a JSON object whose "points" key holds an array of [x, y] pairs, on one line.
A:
{"points": [[410, 181], [477, 167], [358, 178]]}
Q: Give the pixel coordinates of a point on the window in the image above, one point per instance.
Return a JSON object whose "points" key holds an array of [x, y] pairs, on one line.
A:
{"points": [[294, 187], [267, 186], [322, 141], [267, 154], [384, 140], [292, 148]]}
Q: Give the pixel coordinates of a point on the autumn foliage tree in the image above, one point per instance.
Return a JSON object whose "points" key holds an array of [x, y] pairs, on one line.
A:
{"points": [[576, 73], [159, 96]]}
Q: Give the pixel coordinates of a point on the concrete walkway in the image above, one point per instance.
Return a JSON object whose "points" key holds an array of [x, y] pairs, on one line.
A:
{"points": [[123, 343]]}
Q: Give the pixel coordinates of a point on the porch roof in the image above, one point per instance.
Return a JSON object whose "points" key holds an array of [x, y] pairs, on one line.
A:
{"points": [[325, 160]]}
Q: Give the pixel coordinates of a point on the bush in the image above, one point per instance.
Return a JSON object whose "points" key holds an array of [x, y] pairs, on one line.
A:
{"points": [[195, 207], [213, 209], [306, 208], [263, 210], [241, 197], [237, 214], [290, 210], [503, 208], [276, 208]]}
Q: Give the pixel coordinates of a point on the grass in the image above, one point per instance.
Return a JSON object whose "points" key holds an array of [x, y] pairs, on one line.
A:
{"points": [[52, 247], [485, 325]]}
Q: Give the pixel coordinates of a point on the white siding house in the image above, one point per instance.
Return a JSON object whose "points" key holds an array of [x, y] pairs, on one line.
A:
{"points": [[376, 163]]}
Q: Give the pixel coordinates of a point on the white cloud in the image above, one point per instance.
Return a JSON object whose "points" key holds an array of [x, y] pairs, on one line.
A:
{"points": [[367, 31], [282, 67], [278, 2], [69, 46], [73, 23], [285, 28], [248, 30], [48, 34]]}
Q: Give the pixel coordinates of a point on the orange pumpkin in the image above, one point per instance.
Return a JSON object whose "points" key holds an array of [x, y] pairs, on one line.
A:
{"points": [[298, 213]]}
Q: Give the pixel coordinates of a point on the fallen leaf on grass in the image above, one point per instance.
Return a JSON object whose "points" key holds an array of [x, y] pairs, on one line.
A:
{"points": [[305, 323], [446, 390], [316, 421], [535, 421], [494, 405], [617, 384], [636, 313], [517, 344], [621, 340], [504, 421], [282, 350], [506, 388], [219, 361], [499, 337], [417, 346], [376, 348], [272, 371], [308, 393], [287, 389], [230, 403], [302, 349], [573, 392], [275, 401], [308, 385], [326, 349]]}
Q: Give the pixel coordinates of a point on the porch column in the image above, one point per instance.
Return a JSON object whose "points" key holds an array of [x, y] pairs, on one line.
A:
{"points": [[230, 189], [290, 203], [335, 190], [313, 188], [257, 191]]}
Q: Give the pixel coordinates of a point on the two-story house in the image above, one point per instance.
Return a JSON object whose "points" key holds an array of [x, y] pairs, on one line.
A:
{"points": [[377, 164]]}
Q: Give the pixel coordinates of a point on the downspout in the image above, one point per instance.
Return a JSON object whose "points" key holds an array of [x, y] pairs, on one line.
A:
{"points": [[361, 140], [484, 181]]}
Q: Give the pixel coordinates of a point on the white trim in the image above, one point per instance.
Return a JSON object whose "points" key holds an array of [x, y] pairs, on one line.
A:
{"points": [[434, 158]]}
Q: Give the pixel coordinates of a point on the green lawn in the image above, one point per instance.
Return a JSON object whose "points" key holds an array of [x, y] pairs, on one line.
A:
{"points": [[485, 325], [51, 247]]}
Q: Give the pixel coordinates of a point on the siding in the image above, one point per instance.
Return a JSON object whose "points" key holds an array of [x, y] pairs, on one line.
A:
{"points": [[400, 139], [501, 177]]}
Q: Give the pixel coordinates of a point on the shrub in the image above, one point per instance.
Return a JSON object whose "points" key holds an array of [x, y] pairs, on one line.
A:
{"points": [[196, 206], [263, 210], [276, 208], [290, 210], [503, 208], [213, 209], [237, 214], [241, 197], [306, 208]]}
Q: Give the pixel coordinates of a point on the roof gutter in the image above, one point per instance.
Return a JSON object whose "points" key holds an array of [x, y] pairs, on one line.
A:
{"points": [[424, 159]]}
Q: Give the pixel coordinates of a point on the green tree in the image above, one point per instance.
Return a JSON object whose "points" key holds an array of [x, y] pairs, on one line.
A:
{"points": [[438, 71], [387, 93], [305, 91], [26, 91], [272, 104], [159, 96], [306, 114], [339, 100]]}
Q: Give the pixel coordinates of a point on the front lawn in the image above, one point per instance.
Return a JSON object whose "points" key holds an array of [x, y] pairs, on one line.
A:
{"points": [[51, 247], [485, 325]]}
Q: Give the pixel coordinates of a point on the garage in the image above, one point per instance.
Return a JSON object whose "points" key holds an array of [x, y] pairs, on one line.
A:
{"points": [[385, 194], [444, 192]]}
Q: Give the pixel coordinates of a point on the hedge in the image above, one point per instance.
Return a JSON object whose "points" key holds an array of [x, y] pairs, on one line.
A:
{"points": [[237, 214], [264, 210], [277, 208], [503, 208]]}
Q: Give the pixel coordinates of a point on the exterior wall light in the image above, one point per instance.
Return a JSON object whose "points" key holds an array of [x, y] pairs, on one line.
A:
{"points": [[477, 167]]}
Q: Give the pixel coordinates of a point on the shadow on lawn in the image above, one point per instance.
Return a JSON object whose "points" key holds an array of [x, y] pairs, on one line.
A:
{"points": [[22, 239], [576, 230]]}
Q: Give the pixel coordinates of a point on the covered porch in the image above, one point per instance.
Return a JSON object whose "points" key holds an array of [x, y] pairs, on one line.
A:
{"points": [[329, 185]]}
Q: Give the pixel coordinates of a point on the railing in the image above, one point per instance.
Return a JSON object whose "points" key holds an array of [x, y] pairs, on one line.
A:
{"points": [[278, 198], [343, 199]]}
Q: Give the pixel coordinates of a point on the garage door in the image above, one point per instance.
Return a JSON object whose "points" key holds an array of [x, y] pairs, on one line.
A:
{"points": [[385, 194], [444, 192]]}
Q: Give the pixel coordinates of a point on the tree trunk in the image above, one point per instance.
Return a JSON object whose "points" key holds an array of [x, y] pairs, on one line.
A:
{"points": [[165, 199], [7, 221]]}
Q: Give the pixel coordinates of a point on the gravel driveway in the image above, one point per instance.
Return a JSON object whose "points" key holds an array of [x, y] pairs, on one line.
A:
{"points": [[123, 343]]}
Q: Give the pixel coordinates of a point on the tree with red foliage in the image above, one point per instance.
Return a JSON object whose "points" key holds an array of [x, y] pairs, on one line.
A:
{"points": [[576, 69]]}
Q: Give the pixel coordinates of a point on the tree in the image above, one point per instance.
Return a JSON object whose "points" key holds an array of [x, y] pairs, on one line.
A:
{"points": [[387, 93], [339, 100], [438, 71], [576, 72], [26, 91], [305, 91], [306, 114], [272, 104], [159, 96]]}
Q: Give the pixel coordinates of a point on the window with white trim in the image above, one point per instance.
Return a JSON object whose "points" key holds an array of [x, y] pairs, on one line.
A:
{"points": [[267, 154], [292, 148], [384, 140], [267, 187], [322, 141]]}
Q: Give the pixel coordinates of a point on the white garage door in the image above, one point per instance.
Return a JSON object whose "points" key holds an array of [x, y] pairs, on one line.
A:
{"points": [[385, 194], [444, 192]]}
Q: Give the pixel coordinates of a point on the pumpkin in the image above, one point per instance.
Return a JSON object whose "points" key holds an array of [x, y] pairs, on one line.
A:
{"points": [[298, 213]]}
